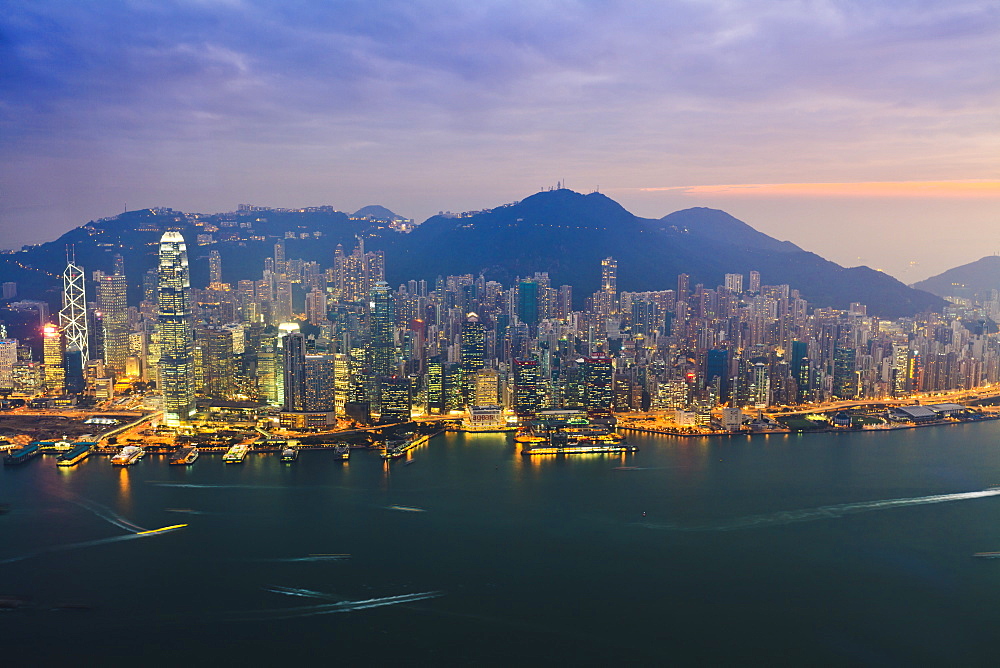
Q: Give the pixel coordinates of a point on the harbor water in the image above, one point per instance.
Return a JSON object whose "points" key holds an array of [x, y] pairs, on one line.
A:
{"points": [[828, 549]]}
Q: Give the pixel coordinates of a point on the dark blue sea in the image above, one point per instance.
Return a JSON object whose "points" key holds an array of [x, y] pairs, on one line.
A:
{"points": [[833, 549]]}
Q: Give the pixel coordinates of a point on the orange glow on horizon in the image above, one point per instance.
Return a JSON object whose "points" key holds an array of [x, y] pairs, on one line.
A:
{"points": [[962, 189]]}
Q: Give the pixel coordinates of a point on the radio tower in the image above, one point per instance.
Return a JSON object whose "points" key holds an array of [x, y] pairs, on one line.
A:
{"points": [[73, 316]]}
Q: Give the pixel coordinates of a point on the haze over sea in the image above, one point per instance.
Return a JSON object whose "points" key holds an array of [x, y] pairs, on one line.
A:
{"points": [[829, 549]]}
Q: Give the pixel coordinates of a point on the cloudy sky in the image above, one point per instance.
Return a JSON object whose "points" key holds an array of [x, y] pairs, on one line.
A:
{"points": [[866, 131]]}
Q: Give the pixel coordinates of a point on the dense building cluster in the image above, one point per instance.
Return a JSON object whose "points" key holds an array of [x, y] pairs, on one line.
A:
{"points": [[322, 343]]}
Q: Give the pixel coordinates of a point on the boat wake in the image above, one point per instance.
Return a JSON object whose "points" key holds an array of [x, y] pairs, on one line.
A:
{"points": [[331, 608], [311, 557], [823, 512], [72, 546], [406, 509], [106, 514]]}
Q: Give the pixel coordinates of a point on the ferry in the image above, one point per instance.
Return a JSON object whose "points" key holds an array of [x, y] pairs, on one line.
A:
{"points": [[342, 451], [128, 455], [289, 454], [185, 456], [236, 454], [22, 455], [76, 454], [552, 436], [576, 449]]}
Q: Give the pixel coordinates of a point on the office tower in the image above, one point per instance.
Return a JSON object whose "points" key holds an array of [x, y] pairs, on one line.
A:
{"points": [[218, 363], [214, 269], [320, 393], [75, 383], [527, 303], [526, 387], [845, 378], [73, 316], [485, 388], [113, 307], [473, 348], [8, 358], [394, 393], [268, 371], [717, 373], [53, 348], [294, 371], [734, 282], [341, 382], [176, 346], [382, 306], [434, 379], [598, 390]]}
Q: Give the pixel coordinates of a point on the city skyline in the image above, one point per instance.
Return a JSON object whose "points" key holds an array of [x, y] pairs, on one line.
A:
{"points": [[820, 124]]}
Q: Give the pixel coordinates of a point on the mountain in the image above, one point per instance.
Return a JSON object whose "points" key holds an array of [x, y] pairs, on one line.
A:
{"points": [[561, 232], [567, 234], [376, 212], [966, 280]]}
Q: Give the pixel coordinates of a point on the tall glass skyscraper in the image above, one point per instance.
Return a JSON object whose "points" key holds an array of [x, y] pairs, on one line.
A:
{"points": [[383, 319], [176, 345]]}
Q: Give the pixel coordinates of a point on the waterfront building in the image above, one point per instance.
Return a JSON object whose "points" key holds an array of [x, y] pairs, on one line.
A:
{"points": [[526, 400], [176, 363], [395, 400], [598, 374]]}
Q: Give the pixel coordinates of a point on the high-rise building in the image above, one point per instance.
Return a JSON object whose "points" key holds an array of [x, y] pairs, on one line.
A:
{"points": [[8, 358], [734, 282], [382, 306], [73, 316], [527, 303], [53, 357], [754, 282], [320, 384], [395, 399], [112, 304], [845, 378], [214, 268], [717, 372], [176, 345], [294, 370], [485, 388], [473, 349], [526, 387], [598, 389]]}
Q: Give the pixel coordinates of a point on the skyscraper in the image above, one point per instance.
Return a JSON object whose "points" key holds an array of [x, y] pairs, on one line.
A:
{"points": [[53, 350], [111, 302], [526, 395], [473, 350], [383, 318], [73, 316], [214, 268], [294, 368], [176, 346], [598, 392]]}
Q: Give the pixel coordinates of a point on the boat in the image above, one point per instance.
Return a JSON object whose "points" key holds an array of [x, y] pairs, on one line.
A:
{"points": [[184, 456], [22, 455], [128, 455], [987, 555], [75, 454], [342, 451], [289, 454], [236, 454], [571, 437]]}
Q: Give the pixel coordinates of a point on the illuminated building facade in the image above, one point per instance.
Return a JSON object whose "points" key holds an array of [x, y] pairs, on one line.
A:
{"points": [[53, 357], [176, 363]]}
